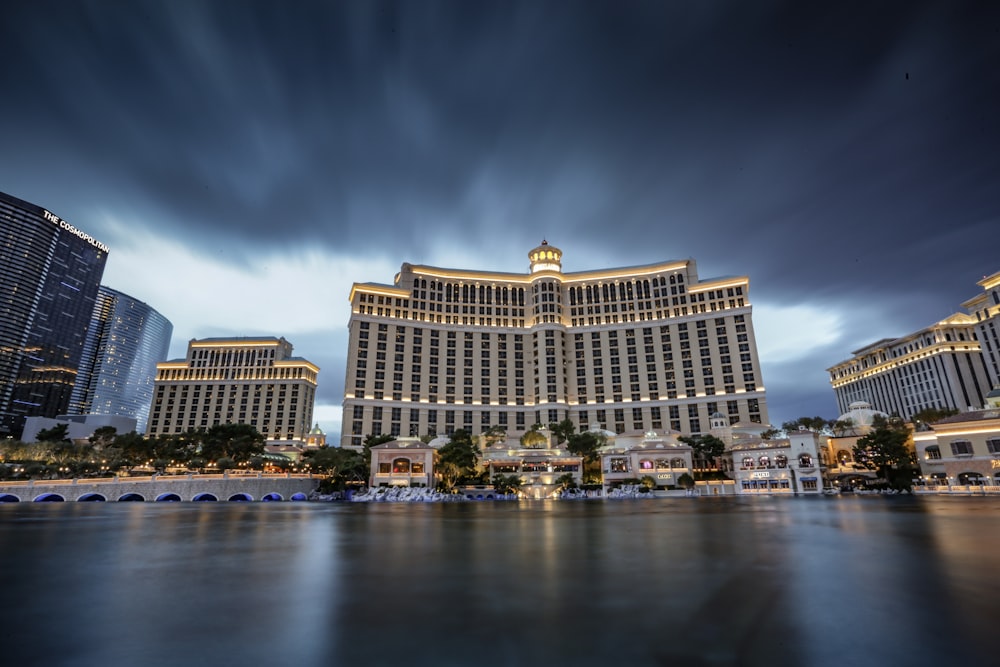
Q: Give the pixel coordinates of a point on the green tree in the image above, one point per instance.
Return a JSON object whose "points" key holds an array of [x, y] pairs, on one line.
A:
{"points": [[341, 465], [58, 433], [931, 415], [811, 423], [885, 449], [563, 430], [533, 439], [770, 433], [507, 484], [494, 435], [685, 481], [586, 445], [460, 452], [103, 437], [240, 442], [647, 482], [707, 448], [566, 481]]}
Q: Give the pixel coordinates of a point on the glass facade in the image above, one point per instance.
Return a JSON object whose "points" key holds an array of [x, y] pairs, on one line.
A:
{"points": [[126, 339], [48, 287]]}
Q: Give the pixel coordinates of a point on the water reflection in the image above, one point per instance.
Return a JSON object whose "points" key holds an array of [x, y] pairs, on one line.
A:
{"points": [[805, 581]]}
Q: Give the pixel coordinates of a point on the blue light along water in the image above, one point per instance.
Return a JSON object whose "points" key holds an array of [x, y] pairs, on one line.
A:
{"points": [[784, 581]]}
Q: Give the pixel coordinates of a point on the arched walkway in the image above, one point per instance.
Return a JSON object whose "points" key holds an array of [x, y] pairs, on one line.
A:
{"points": [[91, 498], [299, 496], [131, 498], [50, 498], [271, 497], [240, 498], [970, 479], [205, 497], [168, 498]]}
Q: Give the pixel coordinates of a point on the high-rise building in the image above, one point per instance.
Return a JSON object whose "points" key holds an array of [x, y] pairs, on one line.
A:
{"points": [[631, 349], [49, 276], [253, 381], [939, 367], [985, 308], [125, 341]]}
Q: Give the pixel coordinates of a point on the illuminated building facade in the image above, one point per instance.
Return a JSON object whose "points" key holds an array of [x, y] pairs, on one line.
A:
{"points": [[49, 276], [985, 308], [938, 367], [632, 349], [126, 339], [253, 381]]}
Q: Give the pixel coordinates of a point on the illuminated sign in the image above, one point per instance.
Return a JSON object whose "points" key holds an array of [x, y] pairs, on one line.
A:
{"points": [[73, 230], [664, 475], [762, 474], [995, 463]]}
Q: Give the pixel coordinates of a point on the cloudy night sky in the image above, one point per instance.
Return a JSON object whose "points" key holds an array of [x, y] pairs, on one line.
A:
{"points": [[248, 161]]}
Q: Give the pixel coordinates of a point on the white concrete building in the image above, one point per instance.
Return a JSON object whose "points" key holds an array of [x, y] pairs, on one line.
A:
{"points": [[639, 348], [788, 465], [940, 366], [986, 309], [253, 381]]}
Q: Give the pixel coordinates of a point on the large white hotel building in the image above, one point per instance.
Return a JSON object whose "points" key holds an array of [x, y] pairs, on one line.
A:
{"points": [[632, 349], [253, 381], [951, 364]]}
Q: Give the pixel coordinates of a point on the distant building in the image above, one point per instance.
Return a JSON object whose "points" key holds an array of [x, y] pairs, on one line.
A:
{"points": [[402, 462], [253, 381], [788, 465], [837, 453], [661, 456], [986, 309], [50, 272], [962, 450], [539, 462], [638, 348], [938, 367], [126, 339]]}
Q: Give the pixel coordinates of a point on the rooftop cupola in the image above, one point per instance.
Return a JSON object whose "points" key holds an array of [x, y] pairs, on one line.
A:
{"points": [[545, 258]]}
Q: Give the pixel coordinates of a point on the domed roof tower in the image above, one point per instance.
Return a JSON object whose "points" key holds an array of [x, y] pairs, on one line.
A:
{"points": [[545, 258]]}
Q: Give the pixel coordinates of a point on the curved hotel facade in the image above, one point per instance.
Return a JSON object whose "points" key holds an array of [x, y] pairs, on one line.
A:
{"points": [[49, 276], [631, 349], [126, 339]]}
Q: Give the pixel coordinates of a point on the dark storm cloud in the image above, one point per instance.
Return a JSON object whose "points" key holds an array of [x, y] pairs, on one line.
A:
{"points": [[843, 151]]}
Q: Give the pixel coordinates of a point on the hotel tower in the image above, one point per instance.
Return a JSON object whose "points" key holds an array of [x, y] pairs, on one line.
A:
{"points": [[632, 349], [50, 272], [253, 381]]}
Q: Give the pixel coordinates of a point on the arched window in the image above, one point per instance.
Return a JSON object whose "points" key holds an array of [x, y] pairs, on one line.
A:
{"points": [[781, 460], [662, 464], [764, 460], [844, 456], [401, 465], [677, 463], [645, 464], [747, 461], [805, 461]]}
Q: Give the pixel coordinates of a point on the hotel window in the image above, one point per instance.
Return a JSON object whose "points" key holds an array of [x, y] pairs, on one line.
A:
{"points": [[932, 453], [993, 445], [805, 461], [748, 462], [961, 448]]}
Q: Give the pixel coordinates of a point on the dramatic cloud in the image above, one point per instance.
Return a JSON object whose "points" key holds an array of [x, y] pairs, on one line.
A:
{"points": [[248, 161]]}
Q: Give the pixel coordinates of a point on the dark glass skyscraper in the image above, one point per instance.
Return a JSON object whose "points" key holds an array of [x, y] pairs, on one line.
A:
{"points": [[50, 272], [127, 338]]}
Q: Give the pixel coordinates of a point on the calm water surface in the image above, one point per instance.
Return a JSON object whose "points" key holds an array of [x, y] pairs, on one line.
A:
{"points": [[785, 581]]}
